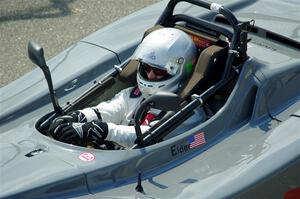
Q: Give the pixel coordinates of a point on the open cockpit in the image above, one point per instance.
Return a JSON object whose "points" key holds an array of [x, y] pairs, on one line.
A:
{"points": [[221, 52]]}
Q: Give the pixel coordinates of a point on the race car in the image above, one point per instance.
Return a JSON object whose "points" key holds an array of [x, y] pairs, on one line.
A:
{"points": [[245, 83]]}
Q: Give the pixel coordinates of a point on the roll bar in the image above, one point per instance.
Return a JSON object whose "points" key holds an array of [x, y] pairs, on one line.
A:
{"points": [[205, 24], [168, 12]]}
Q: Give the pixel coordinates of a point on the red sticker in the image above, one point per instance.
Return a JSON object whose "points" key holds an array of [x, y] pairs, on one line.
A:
{"points": [[87, 157]]}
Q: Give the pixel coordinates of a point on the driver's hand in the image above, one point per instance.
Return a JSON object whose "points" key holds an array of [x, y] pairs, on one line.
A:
{"points": [[80, 133], [75, 116]]}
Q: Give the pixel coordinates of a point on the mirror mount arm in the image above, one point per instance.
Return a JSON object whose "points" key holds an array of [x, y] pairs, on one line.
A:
{"points": [[53, 96]]}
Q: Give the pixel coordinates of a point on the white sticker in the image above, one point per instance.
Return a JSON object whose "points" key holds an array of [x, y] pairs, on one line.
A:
{"points": [[87, 157], [215, 7]]}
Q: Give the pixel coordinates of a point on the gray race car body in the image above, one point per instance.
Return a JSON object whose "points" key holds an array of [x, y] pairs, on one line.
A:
{"points": [[252, 136]]}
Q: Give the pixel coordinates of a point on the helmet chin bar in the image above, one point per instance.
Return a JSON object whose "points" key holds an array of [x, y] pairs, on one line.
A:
{"points": [[148, 90]]}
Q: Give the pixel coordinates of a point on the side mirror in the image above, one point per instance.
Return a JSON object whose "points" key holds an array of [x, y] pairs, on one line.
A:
{"points": [[36, 54], [164, 101]]}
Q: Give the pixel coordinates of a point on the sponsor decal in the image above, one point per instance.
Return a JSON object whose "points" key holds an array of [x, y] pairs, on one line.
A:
{"points": [[87, 157], [292, 194], [196, 140], [150, 55], [179, 149], [200, 42], [135, 92], [34, 152], [191, 142]]}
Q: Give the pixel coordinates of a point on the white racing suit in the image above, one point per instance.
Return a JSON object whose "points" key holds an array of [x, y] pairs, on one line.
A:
{"points": [[118, 113]]}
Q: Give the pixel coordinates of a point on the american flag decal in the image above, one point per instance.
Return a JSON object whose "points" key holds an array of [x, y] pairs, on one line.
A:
{"points": [[196, 140]]}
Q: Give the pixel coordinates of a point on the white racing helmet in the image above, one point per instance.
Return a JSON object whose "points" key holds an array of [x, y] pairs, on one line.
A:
{"points": [[168, 49]]}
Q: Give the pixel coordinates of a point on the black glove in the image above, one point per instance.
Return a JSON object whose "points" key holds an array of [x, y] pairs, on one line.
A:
{"points": [[81, 133], [75, 116], [78, 116]]}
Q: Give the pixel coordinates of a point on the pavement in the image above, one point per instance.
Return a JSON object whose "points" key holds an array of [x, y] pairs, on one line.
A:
{"points": [[54, 24]]}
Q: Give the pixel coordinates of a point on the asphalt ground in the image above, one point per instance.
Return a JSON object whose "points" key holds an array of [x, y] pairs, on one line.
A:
{"points": [[54, 24]]}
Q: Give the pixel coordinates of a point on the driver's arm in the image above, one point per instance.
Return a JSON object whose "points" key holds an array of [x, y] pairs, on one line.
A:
{"points": [[122, 134], [114, 110]]}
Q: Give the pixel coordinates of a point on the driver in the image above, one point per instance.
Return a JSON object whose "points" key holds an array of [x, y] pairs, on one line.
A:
{"points": [[166, 58]]}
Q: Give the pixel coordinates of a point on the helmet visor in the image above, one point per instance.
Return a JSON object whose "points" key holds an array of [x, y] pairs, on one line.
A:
{"points": [[156, 74], [157, 71]]}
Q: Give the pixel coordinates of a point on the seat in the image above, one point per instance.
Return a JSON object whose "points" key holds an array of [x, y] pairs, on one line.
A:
{"points": [[208, 69]]}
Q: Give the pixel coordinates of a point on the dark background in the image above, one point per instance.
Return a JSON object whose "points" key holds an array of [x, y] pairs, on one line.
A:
{"points": [[54, 24]]}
